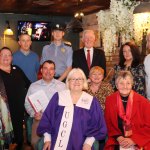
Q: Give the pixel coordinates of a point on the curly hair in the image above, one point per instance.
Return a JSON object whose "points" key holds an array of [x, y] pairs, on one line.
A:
{"points": [[135, 54]]}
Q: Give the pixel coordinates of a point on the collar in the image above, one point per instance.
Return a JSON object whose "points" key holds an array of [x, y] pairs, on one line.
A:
{"points": [[84, 101], [43, 82], [25, 52], [57, 45], [85, 49]]}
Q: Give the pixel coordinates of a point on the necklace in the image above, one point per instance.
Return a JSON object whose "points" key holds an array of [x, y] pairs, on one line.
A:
{"points": [[124, 101]]}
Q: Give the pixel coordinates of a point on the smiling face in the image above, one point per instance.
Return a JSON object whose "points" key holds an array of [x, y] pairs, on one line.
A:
{"points": [[127, 53], [76, 82], [88, 39], [5, 57], [96, 77], [124, 85], [48, 72], [25, 42]]}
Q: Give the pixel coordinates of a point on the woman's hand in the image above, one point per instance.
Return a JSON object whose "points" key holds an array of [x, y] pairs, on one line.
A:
{"points": [[125, 142], [86, 147], [47, 145], [38, 116]]}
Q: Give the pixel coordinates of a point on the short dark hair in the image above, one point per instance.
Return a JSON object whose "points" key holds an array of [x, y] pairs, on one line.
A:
{"points": [[5, 47], [135, 54], [49, 62], [22, 35]]}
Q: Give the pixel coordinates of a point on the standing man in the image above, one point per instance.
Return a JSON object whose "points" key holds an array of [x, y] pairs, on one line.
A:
{"points": [[49, 85], [59, 52], [89, 56], [26, 59]]}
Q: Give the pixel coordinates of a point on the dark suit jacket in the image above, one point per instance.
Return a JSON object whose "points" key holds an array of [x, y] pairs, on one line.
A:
{"points": [[140, 121], [79, 60]]}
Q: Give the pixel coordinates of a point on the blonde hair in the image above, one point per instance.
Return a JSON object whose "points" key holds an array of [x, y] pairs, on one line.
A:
{"points": [[77, 70], [123, 75], [96, 68]]}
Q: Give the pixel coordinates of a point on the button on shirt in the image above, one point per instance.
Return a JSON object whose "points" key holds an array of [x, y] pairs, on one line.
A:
{"points": [[49, 89], [61, 55]]}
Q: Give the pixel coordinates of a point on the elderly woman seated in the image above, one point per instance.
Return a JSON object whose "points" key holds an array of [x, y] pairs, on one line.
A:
{"points": [[127, 116], [73, 119]]}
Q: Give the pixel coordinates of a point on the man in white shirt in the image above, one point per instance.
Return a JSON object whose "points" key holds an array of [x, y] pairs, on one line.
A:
{"points": [[50, 86]]}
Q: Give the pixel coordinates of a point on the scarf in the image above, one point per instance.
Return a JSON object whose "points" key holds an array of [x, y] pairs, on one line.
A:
{"points": [[126, 115], [6, 129]]}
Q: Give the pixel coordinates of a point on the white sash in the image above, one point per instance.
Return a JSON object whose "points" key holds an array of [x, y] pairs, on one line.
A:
{"points": [[67, 117], [65, 125]]}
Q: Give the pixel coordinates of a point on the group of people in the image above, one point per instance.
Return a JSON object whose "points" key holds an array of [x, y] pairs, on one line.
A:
{"points": [[82, 114]]}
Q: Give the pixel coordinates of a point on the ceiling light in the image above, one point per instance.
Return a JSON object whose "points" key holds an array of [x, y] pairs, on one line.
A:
{"points": [[79, 15], [8, 30]]}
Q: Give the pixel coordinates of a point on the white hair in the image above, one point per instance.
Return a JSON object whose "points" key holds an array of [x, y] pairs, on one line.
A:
{"points": [[77, 70]]}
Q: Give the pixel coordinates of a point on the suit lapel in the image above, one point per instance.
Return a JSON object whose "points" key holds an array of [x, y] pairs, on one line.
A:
{"points": [[94, 58], [83, 59]]}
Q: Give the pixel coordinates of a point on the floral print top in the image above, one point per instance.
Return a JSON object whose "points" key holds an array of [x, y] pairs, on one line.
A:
{"points": [[139, 78], [104, 90]]}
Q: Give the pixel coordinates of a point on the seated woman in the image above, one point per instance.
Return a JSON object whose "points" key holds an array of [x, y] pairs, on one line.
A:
{"points": [[127, 116], [97, 87], [100, 89], [73, 118]]}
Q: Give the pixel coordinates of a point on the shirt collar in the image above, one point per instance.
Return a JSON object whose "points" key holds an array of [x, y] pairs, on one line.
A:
{"points": [[25, 52], [45, 83], [85, 49]]}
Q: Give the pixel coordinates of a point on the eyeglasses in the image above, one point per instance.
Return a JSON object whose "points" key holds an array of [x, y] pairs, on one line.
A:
{"points": [[76, 79]]}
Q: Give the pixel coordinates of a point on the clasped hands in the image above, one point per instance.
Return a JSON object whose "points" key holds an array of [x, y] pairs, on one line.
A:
{"points": [[125, 142]]}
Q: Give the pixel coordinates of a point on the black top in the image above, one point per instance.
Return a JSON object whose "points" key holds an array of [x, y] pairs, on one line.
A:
{"points": [[120, 121], [16, 85]]}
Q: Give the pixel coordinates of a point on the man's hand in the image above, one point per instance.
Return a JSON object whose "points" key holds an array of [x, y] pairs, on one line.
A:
{"points": [[38, 116]]}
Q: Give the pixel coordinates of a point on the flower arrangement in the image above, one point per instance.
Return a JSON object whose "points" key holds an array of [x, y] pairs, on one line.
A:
{"points": [[141, 26], [117, 20]]}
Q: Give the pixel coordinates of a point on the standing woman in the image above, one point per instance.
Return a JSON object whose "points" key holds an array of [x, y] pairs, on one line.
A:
{"points": [[127, 117], [73, 119], [6, 129], [16, 84], [129, 59]]}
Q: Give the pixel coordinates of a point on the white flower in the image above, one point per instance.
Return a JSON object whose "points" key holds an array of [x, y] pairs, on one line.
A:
{"points": [[119, 19]]}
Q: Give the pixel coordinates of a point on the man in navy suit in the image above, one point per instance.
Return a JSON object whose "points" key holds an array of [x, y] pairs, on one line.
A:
{"points": [[97, 56]]}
